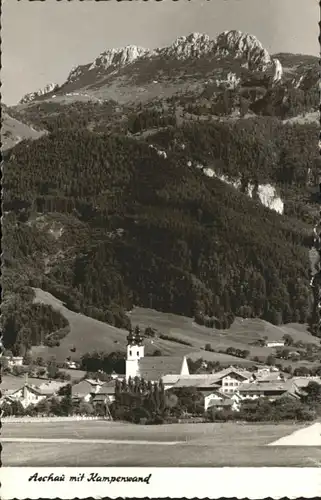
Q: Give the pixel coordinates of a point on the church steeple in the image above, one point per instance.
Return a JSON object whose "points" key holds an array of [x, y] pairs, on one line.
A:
{"points": [[131, 337], [135, 351], [138, 336]]}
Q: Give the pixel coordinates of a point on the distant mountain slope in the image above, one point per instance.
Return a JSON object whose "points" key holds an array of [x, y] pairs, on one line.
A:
{"points": [[13, 131]]}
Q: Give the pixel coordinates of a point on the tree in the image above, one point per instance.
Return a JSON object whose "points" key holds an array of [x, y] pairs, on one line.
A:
{"points": [[17, 408], [43, 407], [52, 368], [288, 340], [85, 408], [40, 361], [270, 360], [18, 370], [7, 410], [313, 391], [27, 359]]}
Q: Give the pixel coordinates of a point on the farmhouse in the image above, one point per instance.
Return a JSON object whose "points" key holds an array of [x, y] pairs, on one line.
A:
{"points": [[30, 394], [214, 399], [151, 368], [106, 393], [13, 360], [275, 343], [85, 389], [271, 390]]}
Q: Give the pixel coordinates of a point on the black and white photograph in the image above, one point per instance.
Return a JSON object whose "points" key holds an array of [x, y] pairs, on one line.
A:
{"points": [[160, 234]]}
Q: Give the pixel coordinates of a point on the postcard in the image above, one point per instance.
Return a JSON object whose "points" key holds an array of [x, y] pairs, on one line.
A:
{"points": [[161, 237]]}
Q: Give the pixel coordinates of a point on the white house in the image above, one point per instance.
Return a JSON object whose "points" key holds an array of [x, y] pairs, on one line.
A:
{"points": [[275, 343], [268, 389], [27, 395], [30, 394], [151, 368], [226, 381], [85, 389], [13, 360], [219, 401]]}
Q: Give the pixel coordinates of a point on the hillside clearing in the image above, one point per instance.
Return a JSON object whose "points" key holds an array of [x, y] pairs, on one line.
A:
{"points": [[88, 334]]}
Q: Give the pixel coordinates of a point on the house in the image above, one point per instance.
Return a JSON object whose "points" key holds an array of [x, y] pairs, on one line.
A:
{"points": [[215, 399], [107, 391], [303, 382], [224, 404], [225, 381], [13, 360], [72, 365], [268, 389], [275, 343], [85, 389], [30, 394], [27, 395], [151, 368], [231, 378], [201, 382], [270, 377]]}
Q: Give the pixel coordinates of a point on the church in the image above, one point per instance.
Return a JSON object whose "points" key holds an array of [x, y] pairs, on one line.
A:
{"points": [[151, 368]]}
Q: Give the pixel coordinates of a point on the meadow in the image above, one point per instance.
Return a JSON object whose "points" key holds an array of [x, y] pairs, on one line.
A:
{"points": [[198, 445], [88, 334]]}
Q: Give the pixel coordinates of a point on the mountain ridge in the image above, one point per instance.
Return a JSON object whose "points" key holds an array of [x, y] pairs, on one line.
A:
{"points": [[231, 43]]}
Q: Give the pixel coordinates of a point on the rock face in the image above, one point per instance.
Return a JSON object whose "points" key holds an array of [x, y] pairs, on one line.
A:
{"points": [[194, 45], [33, 95], [111, 59], [265, 193], [242, 46]]}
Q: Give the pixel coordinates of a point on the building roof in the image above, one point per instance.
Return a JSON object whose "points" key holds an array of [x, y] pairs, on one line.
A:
{"points": [[206, 382], [108, 388], [217, 402], [246, 375], [100, 397], [48, 388], [276, 386], [269, 377], [304, 381], [216, 393], [94, 382], [155, 367], [83, 388], [170, 379]]}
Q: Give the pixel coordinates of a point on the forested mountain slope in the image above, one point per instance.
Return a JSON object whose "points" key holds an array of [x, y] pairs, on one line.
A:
{"points": [[121, 224]]}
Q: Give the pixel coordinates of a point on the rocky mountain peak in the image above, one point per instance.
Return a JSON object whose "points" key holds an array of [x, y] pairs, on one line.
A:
{"points": [[193, 45], [242, 45], [110, 59], [119, 57], [50, 87]]}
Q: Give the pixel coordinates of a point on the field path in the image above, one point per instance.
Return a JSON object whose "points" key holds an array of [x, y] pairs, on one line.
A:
{"points": [[88, 441], [310, 436]]}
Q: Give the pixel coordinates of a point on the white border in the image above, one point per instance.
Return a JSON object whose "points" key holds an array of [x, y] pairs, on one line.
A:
{"points": [[178, 482]]}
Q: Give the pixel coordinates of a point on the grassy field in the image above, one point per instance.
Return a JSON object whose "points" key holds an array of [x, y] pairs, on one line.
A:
{"points": [[88, 334], [199, 445], [10, 382]]}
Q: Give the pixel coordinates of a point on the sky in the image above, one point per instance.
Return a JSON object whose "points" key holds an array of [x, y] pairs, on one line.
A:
{"points": [[43, 40]]}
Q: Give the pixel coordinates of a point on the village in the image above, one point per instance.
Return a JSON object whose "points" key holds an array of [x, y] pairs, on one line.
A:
{"points": [[157, 389]]}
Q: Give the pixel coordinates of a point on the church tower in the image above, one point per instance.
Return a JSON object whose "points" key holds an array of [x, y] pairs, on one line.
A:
{"points": [[135, 351]]}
